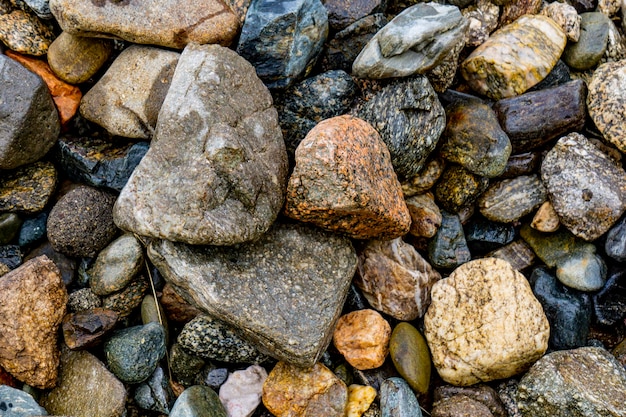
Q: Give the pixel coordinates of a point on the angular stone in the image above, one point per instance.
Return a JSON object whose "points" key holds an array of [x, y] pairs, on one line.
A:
{"points": [[560, 74], [481, 393], [484, 323], [28, 189], [88, 328], [566, 16], [219, 134], [360, 398], [344, 182], [448, 249], [509, 200], [242, 391], [362, 337], [512, 10], [443, 75], [410, 355], [483, 19], [125, 301], [29, 122], [405, 45], [155, 394], [546, 220], [425, 180], [177, 308], [342, 14], [483, 236], [517, 253], [165, 23], [397, 399], [289, 307], [615, 46], [32, 306], [197, 401], [75, 59], [116, 265], [609, 304], [458, 188], [591, 45], [460, 405], [425, 215], [22, 31], [532, 46]]}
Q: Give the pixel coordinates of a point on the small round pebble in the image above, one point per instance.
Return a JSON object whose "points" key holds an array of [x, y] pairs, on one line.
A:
{"points": [[362, 337]]}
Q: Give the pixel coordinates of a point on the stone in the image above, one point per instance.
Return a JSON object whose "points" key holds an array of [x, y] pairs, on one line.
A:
{"points": [[18, 403], [126, 100], [293, 391], [615, 46], [289, 308], [40, 7], [75, 59], [242, 391], [155, 394], [583, 270], [405, 45], [512, 10], [88, 328], [460, 405], [125, 301], [410, 120], [448, 248], [533, 119], [151, 311], [609, 7], [186, 367], [25, 99], [362, 337], [234, 166], [81, 223], [532, 45], [10, 224], [33, 303], [283, 41], [33, 230], [116, 265], [176, 307], [167, 24], [588, 50], [342, 14], [133, 353], [481, 395], [197, 401], [586, 188], [509, 200], [66, 265], [28, 189], [11, 256], [522, 164], [483, 20], [360, 398], [395, 279], [411, 358], [210, 338], [581, 382], [83, 299], [443, 76], [473, 139], [546, 220], [425, 215], [615, 244], [22, 31], [458, 188], [560, 74], [344, 182], [484, 323], [425, 180], [566, 16], [483, 236], [609, 304], [216, 377], [397, 399]]}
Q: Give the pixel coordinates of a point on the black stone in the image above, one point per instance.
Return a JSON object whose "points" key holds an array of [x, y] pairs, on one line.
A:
{"points": [[483, 236], [615, 245], [609, 304], [448, 248], [560, 74], [33, 230], [11, 256], [521, 164]]}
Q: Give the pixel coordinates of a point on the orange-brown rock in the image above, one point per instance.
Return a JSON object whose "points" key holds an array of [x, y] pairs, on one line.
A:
{"points": [[362, 337], [344, 182], [176, 307], [88, 328], [33, 299], [545, 219], [425, 215]]}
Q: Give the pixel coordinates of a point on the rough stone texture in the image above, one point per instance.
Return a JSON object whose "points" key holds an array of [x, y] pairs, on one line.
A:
{"points": [[125, 301], [405, 45], [165, 23], [362, 337], [459, 188], [75, 59], [395, 279], [425, 215], [155, 394], [483, 19], [512, 10], [360, 398], [288, 308], [410, 120], [515, 57], [18, 403], [615, 245], [217, 165], [586, 188], [410, 356], [66, 265], [509, 200], [615, 46], [177, 308], [484, 323], [483, 235], [27, 189], [242, 391], [22, 31], [344, 182], [397, 399], [342, 14], [591, 45], [297, 392], [546, 220], [197, 401], [116, 265], [448, 248], [443, 75], [566, 16], [481, 393], [460, 406], [29, 122], [32, 304], [87, 328], [576, 383], [425, 180], [126, 100]]}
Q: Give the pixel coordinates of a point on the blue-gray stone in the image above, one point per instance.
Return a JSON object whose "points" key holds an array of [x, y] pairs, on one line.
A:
{"points": [[615, 244], [155, 394], [609, 304], [484, 236], [592, 43], [282, 39], [198, 401], [448, 248], [584, 271], [216, 377], [17, 403], [132, 354], [397, 399], [41, 8], [33, 230], [9, 226]]}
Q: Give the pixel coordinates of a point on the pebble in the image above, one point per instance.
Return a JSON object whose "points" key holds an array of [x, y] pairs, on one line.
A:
{"points": [[331, 185], [75, 59], [522, 164], [448, 248], [33, 230], [342, 14], [155, 394], [10, 225], [18, 403], [360, 398], [425, 215], [566, 16], [512, 10], [483, 236], [151, 311], [116, 265], [458, 188], [460, 405], [546, 220], [66, 265], [178, 310], [411, 357], [362, 337], [82, 300], [125, 301], [481, 393], [397, 399], [483, 20], [591, 45], [28, 189], [88, 328], [187, 368], [509, 200], [242, 391], [484, 323], [395, 279], [426, 178], [216, 377], [22, 31], [198, 401], [609, 304], [518, 253]]}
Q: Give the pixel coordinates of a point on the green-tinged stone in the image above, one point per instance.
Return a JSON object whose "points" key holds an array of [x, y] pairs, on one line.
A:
{"points": [[591, 46], [410, 355], [458, 187], [198, 401], [151, 311], [27, 189], [9, 226], [552, 248]]}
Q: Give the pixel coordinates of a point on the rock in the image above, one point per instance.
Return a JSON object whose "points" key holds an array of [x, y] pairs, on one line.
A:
{"points": [[116, 265], [574, 383], [197, 401], [425, 215], [80, 223], [615, 244], [448, 249], [29, 188], [18, 403], [533, 45], [566, 16], [484, 323], [482, 394], [443, 75], [560, 74], [342, 14], [397, 399], [410, 120], [75, 59], [88, 328], [343, 181], [460, 405], [242, 391], [167, 24], [425, 180], [32, 306], [126, 100], [591, 45], [132, 354], [66, 266], [293, 391], [210, 338], [151, 311], [609, 7], [522, 164], [283, 41], [22, 31], [395, 279], [509, 200], [533, 119], [40, 7], [483, 236], [83, 299], [615, 46], [25, 99], [187, 368], [405, 45], [360, 399], [483, 19], [546, 220], [609, 304], [517, 253], [155, 394], [458, 188], [33, 230], [125, 301], [512, 10], [216, 377], [234, 167], [280, 310], [177, 308], [587, 190], [473, 139], [362, 337], [11, 256], [410, 355], [10, 224]]}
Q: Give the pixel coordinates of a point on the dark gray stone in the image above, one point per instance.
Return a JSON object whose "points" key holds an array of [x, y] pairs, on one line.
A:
{"points": [[615, 244], [186, 367], [560, 74], [609, 304], [397, 399], [216, 377], [33, 230], [17, 403], [10, 224], [594, 34], [155, 394], [342, 14], [198, 401], [11, 256], [448, 249], [483, 236], [41, 8]]}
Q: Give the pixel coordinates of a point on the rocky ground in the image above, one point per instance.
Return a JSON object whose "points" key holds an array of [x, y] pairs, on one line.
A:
{"points": [[304, 208]]}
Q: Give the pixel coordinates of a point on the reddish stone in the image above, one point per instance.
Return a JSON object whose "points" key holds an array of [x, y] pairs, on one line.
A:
{"points": [[176, 308], [87, 328]]}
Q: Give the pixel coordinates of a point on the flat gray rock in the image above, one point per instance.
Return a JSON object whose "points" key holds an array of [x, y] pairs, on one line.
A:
{"points": [[283, 292], [216, 170]]}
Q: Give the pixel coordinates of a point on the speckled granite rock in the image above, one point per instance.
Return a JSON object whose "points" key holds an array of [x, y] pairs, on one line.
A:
{"points": [[512, 10], [509, 200], [22, 31], [165, 23], [458, 188], [483, 19], [75, 59], [125, 301], [18, 403], [566, 17], [27, 189]]}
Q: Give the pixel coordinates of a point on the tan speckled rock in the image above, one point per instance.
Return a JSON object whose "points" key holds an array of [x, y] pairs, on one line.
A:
{"points": [[606, 102], [75, 59], [362, 337], [360, 397], [483, 19], [545, 219], [566, 16], [515, 57], [484, 323], [425, 215]]}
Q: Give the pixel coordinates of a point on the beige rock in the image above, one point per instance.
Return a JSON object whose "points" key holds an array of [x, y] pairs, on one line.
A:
{"points": [[484, 323], [360, 397], [3, 269], [425, 215], [75, 59], [545, 219], [362, 337], [483, 19], [32, 304], [566, 16]]}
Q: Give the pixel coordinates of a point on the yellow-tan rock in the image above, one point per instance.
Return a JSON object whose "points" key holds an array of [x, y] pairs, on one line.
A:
{"points": [[425, 215], [75, 59], [545, 219], [362, 337], [360, 397]]}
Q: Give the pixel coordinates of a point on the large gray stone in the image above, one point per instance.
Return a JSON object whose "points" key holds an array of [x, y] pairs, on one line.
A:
{"points": [[283, 292], [216, 170]]}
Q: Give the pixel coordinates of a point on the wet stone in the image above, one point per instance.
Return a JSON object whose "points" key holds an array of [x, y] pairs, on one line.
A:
{"points": [[566, 16], [342, 14], [509, 200], [410, 355], [458, 188], [397, 399], [10, 224], [425, 180], [33, 230], [28, 189], [425, 215], [362, 337], [591, 45], [75, 59], [11, 256], [116, 265], [448, 249], [186, 367], [615, 244], [483, 20], [609, 304], [522, 164], [22, 31], [198, 401], [560, 74], [87, 328], [155, 394], [483, 236]]}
